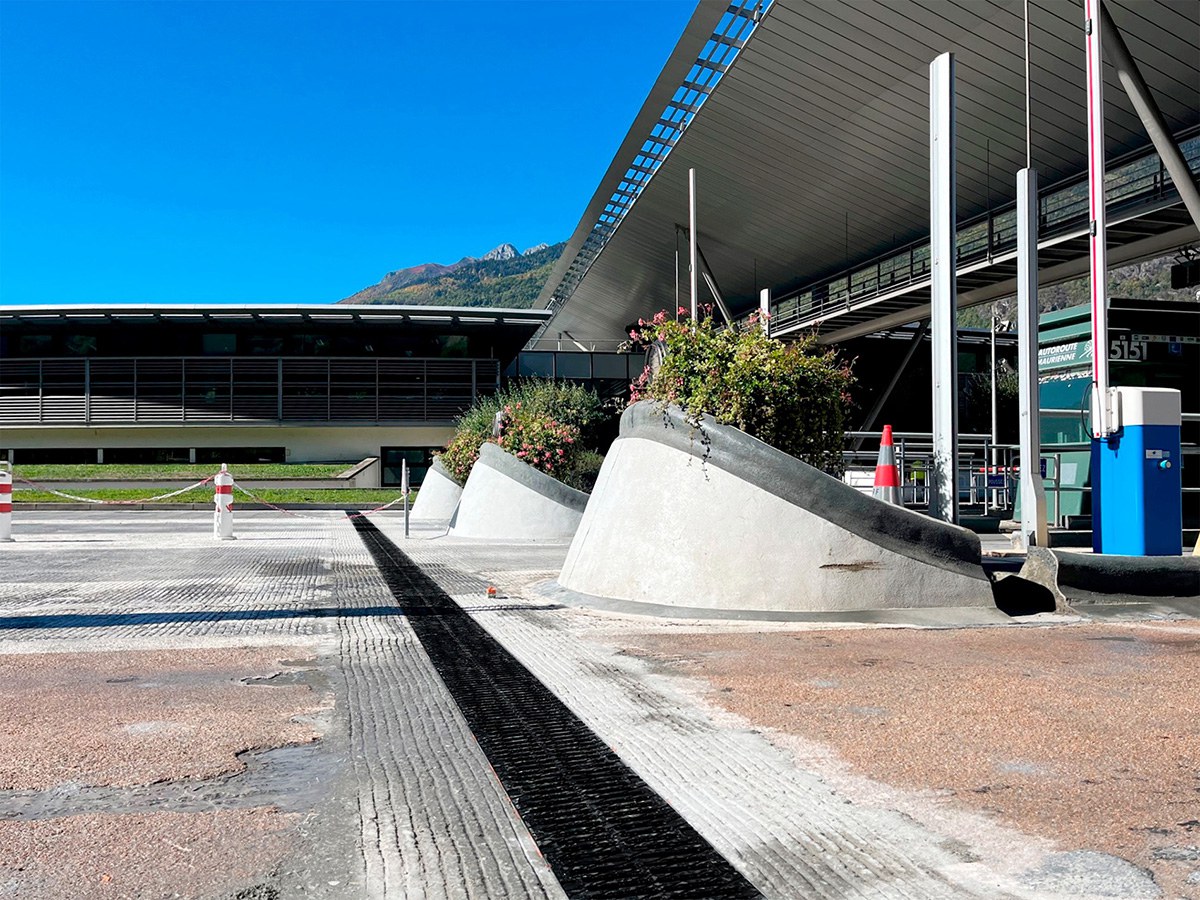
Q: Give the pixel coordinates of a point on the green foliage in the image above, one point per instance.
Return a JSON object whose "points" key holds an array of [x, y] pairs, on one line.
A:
{"points": [[584, 470], [792, 396], [505, 283], [550, 426]]}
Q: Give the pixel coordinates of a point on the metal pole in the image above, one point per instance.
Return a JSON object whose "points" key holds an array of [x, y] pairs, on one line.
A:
{"points": [[1033, 493], [991, 459], [676, 274], [943, 469], [693, 271], [1148, 111], [404, 488], [1099, 252], [764, 310]]}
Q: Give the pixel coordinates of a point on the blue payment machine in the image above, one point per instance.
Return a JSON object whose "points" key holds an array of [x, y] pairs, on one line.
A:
{"points": [[1137, 485]]}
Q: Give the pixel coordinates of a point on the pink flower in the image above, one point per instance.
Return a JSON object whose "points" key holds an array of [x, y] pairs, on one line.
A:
{"points": [[683, 311], [560, 451]]}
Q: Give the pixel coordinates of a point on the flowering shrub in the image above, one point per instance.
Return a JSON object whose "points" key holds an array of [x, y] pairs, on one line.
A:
{"points": [[548, 423], [793, 396], [543, 443]]}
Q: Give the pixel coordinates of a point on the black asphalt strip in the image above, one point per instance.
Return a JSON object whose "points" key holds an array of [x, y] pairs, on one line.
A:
{"points": [[603, 831]]}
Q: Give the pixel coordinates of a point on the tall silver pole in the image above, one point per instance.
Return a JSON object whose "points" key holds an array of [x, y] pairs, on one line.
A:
{"points": [[404, 488], [693, 271], [677, 275], [1033, 494], [764, 310], [1101, 417], [943, 495], [992, 461]]}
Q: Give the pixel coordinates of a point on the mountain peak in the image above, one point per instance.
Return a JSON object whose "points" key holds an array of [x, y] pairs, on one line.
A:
{"points": [[504, 251], [504, 277]]}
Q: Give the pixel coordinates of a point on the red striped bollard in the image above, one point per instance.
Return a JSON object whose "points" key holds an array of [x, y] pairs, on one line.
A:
{"points": [[223, 499], [887, 479], [6, 506]]}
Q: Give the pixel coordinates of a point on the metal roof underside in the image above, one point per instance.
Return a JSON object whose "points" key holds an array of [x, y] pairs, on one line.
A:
{"points": [[812, 151]]}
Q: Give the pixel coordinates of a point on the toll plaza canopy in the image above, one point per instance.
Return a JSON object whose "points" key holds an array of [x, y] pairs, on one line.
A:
{"points": [[808, 124]]}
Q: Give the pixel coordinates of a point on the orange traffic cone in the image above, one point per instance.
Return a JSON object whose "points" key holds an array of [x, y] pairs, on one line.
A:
{"points": [[887, 478]]}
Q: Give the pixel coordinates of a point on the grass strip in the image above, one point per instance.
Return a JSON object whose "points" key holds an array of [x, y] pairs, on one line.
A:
{"points": [[182, 472], [365, 497]]}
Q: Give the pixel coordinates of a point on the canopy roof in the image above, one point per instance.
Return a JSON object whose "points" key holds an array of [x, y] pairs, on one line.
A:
{"points": [[812, 149]]}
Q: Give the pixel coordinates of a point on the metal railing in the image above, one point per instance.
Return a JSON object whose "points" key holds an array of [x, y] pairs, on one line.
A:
{"points": [[1137, 180], [159, 390], [988, 474]]}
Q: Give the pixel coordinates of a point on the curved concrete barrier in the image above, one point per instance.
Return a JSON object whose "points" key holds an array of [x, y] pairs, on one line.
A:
{"points": [[439, 494], [721, 520], [1078, 580], [505, 498]]}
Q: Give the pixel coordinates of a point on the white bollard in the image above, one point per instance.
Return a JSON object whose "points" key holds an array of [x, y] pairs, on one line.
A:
{"points": [[223, 499], [6, 506]]}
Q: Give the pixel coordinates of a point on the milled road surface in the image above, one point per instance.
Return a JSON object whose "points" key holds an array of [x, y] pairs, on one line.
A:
{"points": [[261, 719]]}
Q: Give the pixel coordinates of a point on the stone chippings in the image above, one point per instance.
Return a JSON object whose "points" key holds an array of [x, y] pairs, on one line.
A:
{"points": [[153, 854], [789, 820], [1088, 735], [397, 798], [400, 802], [141, 717]]}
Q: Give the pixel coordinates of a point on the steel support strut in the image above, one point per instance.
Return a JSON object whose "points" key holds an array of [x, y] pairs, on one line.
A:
{"points": [[943, 472], [1143, 101], [1101, 415], [1033, 495]]}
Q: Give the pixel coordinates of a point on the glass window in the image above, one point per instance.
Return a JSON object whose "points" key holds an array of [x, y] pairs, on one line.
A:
{"points": [[81, 344], [573, 365], [613, 365], [537, 364], [220, 344], [419, 460]]}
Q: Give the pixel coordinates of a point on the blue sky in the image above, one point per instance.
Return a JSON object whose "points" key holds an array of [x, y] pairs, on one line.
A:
{"points": [[297, 151]]}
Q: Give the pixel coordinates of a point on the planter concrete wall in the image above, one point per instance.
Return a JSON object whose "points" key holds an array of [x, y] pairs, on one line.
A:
{"points": [[1078, 579], [439, 494], [507, 499], [720, 520]]}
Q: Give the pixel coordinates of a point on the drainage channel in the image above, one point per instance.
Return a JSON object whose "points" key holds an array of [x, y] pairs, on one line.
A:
{"points": [[603, 831]]}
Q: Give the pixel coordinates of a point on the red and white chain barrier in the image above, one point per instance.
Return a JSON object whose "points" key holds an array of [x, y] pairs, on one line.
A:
{"points": [[65, 495], [223, 488], [299, 515]]}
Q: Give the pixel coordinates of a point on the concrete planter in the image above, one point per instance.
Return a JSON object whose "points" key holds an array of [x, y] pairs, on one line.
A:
{"points": [[723, 521], [505, 498], [439, 495]]}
